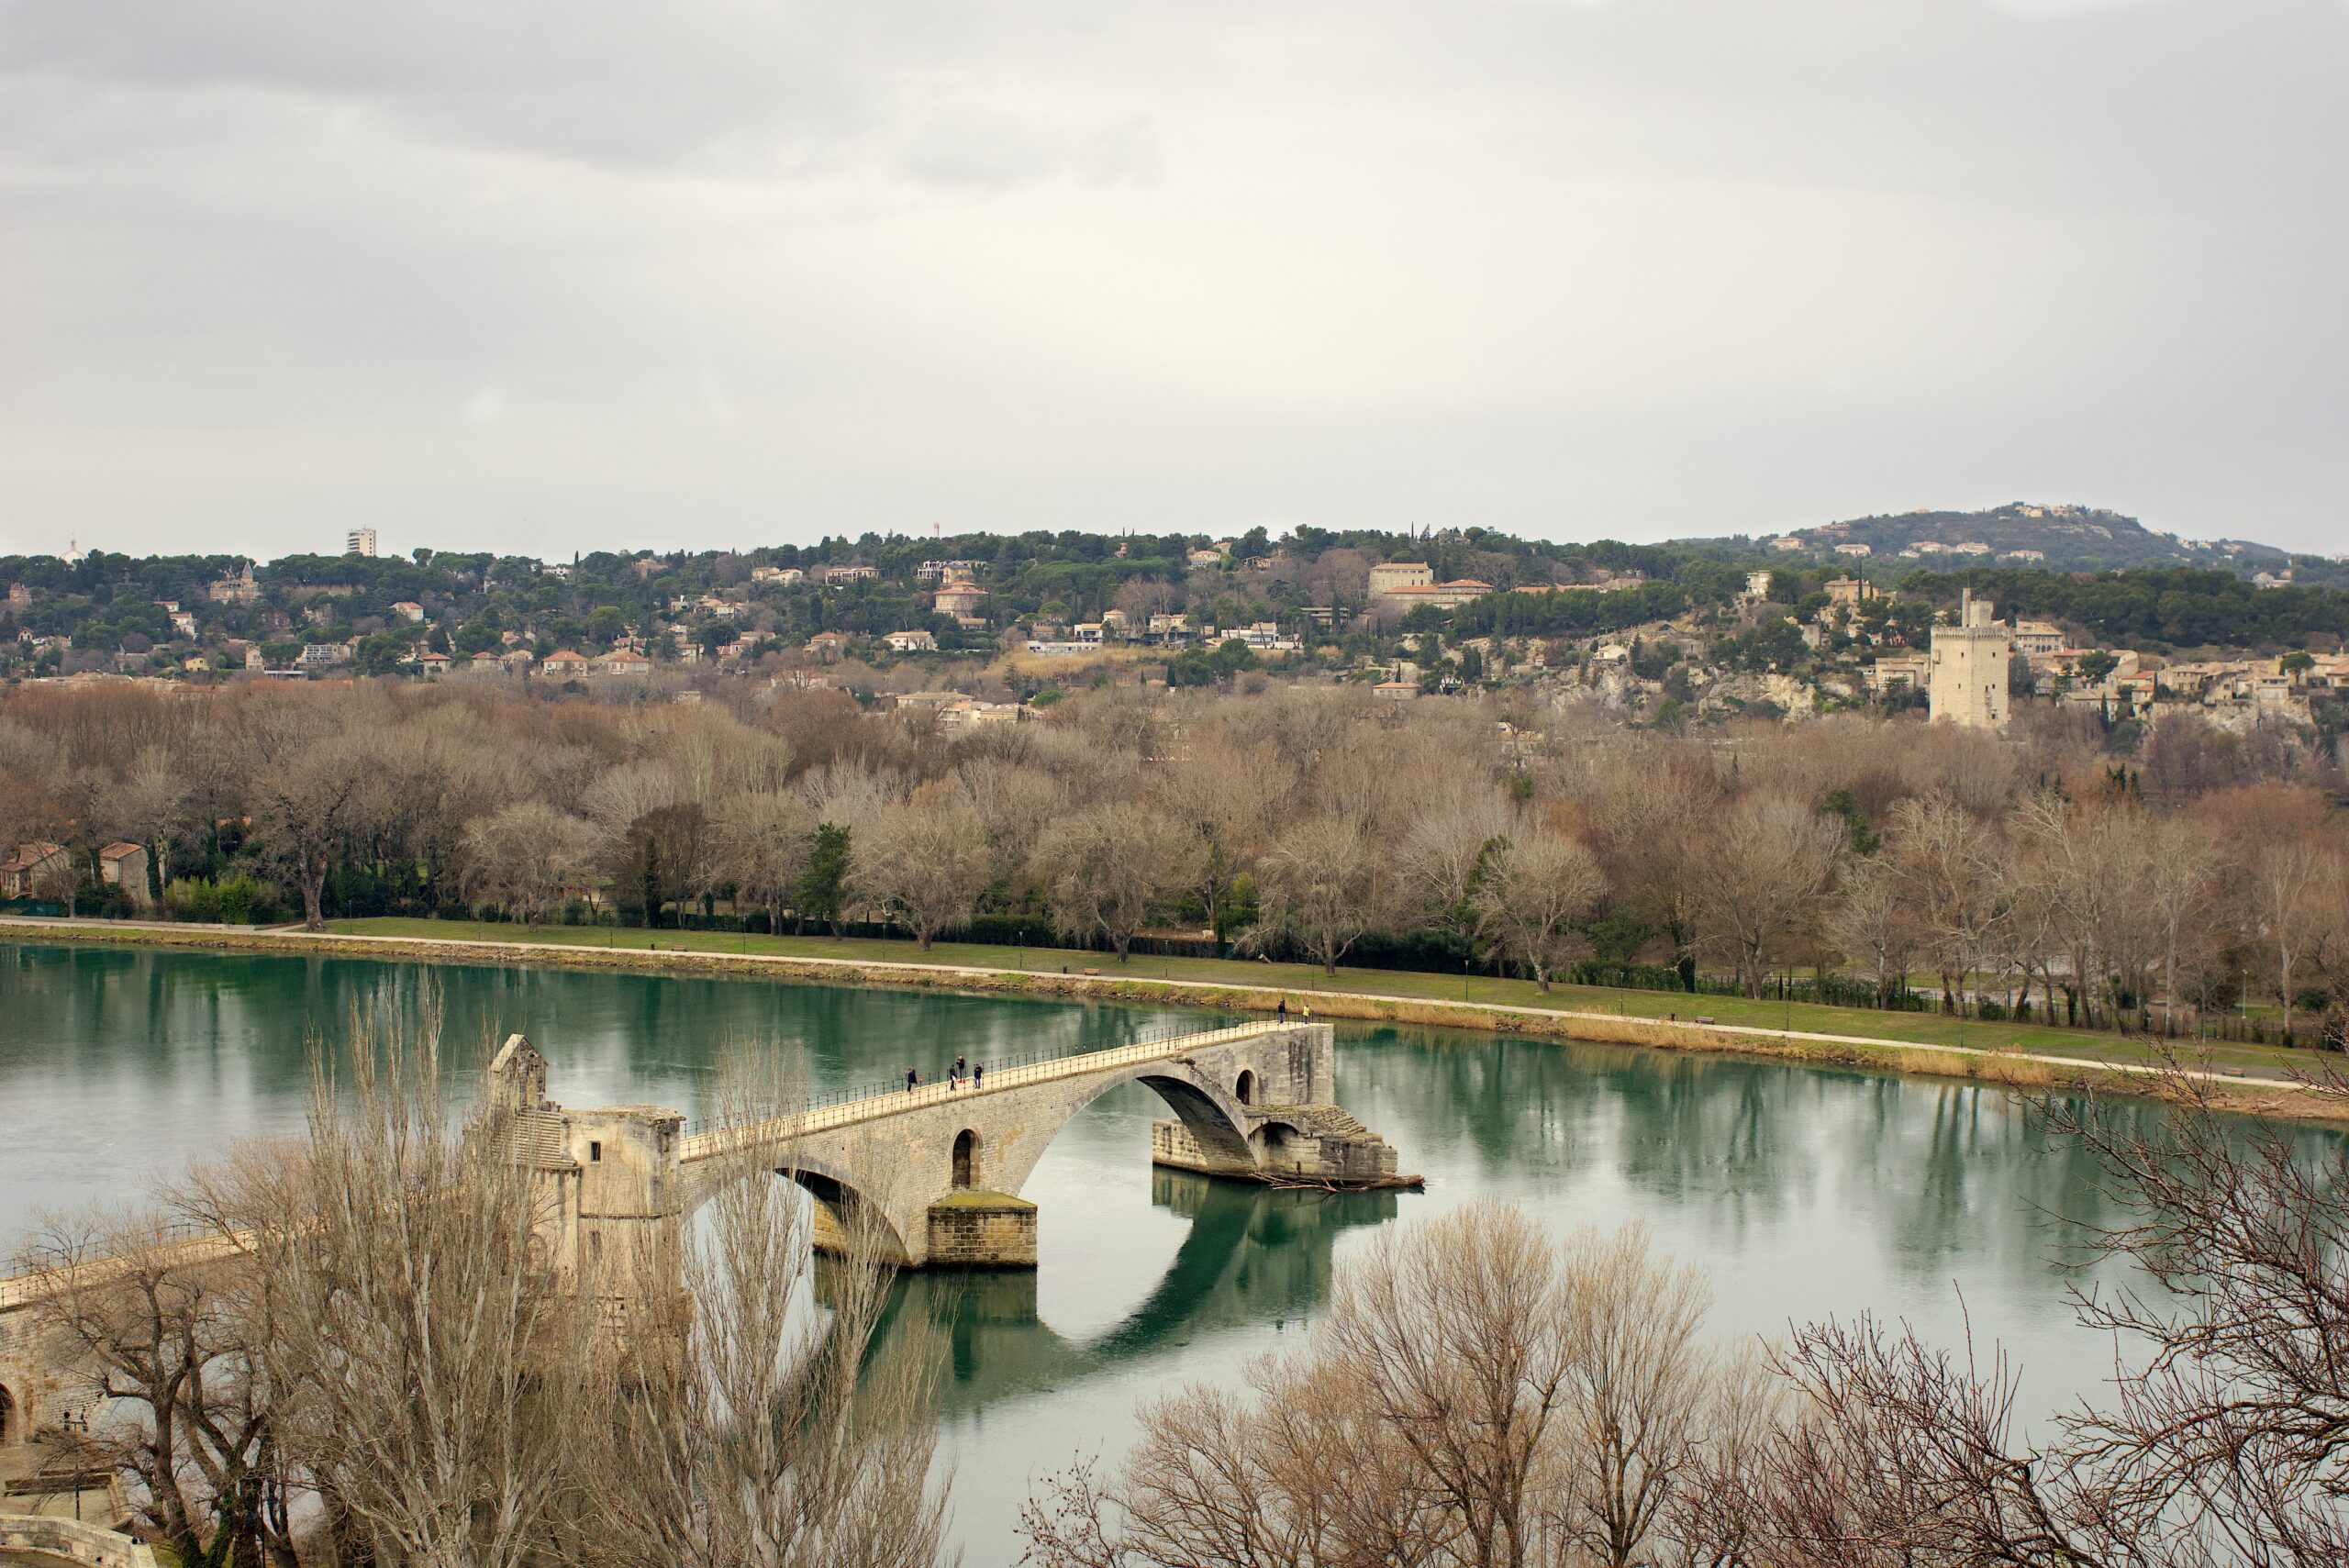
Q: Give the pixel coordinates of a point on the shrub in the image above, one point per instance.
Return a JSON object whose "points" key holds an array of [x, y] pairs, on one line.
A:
{"points": [[233, 901]]}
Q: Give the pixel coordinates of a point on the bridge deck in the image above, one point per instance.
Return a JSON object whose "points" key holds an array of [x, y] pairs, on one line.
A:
{"points": [[181, 1244], [998, 1080]]}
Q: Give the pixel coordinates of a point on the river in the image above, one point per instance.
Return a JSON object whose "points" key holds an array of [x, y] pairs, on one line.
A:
{"points": [[1800, 1192]]}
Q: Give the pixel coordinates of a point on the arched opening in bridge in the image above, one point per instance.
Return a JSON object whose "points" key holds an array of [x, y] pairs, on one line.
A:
{"points": [[8, 1433], [1245, 1090], [844, 1219], [966, 1159]]}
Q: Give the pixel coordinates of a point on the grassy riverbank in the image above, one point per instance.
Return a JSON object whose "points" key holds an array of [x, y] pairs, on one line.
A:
{"points": [[1887, 1041]]}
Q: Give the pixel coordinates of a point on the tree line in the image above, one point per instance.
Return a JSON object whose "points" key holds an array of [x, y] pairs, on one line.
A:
{"points": [[2038, 875], [2179, 606]]}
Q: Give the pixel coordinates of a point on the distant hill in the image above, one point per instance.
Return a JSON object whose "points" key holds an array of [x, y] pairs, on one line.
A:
{"points": [[2060, 538]]}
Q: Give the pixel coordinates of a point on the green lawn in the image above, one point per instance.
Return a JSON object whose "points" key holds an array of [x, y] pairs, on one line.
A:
{"points": [[1303, 980]]}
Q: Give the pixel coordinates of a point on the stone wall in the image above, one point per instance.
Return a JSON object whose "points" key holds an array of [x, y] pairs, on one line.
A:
{"points": [[37, 1392], [74, 1541]]}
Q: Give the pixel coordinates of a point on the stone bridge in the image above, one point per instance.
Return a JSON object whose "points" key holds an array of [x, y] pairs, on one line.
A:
{"points": [[37, 1393], [937, 1168]]}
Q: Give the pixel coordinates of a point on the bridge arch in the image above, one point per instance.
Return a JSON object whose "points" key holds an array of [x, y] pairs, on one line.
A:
{"points": [[1269, 1142], [966, 1159], [1244, 1091], [843, 1205], [12, 1418], [1214, 1122]]}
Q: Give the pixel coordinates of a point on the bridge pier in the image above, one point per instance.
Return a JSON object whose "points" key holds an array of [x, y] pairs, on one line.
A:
{"points": [[982, 1230]]}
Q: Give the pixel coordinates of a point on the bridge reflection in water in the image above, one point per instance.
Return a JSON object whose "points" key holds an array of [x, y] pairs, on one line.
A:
{"points": [[1254, 1254]]}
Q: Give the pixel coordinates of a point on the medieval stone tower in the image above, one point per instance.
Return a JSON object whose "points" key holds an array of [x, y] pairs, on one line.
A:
{"points": [[1967, 676]]}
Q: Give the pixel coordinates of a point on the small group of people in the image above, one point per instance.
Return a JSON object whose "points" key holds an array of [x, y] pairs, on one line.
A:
{"points": [[1281, 1012], [975, 1071]]}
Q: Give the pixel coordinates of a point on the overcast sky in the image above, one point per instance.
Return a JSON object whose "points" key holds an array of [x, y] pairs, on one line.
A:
{"points": [[546, 275]]}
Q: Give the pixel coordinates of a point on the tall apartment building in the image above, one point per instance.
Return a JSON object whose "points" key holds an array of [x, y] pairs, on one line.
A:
{"points": [[359, 541], [1967, 674]]}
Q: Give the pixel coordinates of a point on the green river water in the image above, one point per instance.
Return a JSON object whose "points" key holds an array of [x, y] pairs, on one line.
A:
{"points": [[1800, 1192]]}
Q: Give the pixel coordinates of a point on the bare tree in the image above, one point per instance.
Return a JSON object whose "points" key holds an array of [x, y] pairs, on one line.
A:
{"points": [[526, 856], [1016, 802], [2057, 883], [923, 864], [2329, 950], [744, 1425], [59, 879], [1637, 1392], [1320, 886], [1232, 792], [2284, 888], [1454, 837], [2124, 849], [852, 794], [148, 806], [162, 1319], [308, 792], [2180, 885], [1870, 923], [1478, 1396], [1766, 866], [1108, 868], [437, 1356], [1540, 887], [621, 797], [1949, 863], [764, 844], [2224, 1442], [1302, 1474], [1719, 1515], [1447, 1345], [1654, 815]]}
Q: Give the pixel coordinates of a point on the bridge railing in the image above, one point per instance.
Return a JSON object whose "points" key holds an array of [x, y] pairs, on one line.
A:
{"points": [[176, 1244], [847, 1106]]}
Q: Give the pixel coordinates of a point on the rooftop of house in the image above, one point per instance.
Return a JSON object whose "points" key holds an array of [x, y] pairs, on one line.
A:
{"points": [[1457, 585]]}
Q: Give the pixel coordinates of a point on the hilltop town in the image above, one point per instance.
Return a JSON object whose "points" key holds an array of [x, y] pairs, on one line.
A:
{"points": [[983, 629]]}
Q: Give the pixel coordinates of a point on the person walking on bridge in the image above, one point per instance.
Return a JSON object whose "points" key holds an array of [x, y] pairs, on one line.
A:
{"points": [[959, 1070], [912, 1078], [978, 1074], [1281, 1012]]}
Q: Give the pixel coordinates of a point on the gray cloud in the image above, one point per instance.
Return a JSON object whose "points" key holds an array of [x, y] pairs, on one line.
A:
{"points": [[567, 275]]}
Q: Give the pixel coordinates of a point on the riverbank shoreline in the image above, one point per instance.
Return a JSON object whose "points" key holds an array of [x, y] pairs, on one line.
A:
{"points": [[2008, 1067]]}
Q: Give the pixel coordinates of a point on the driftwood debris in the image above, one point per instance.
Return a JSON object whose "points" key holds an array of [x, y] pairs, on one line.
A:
{"points": [[1322, 1184]]}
